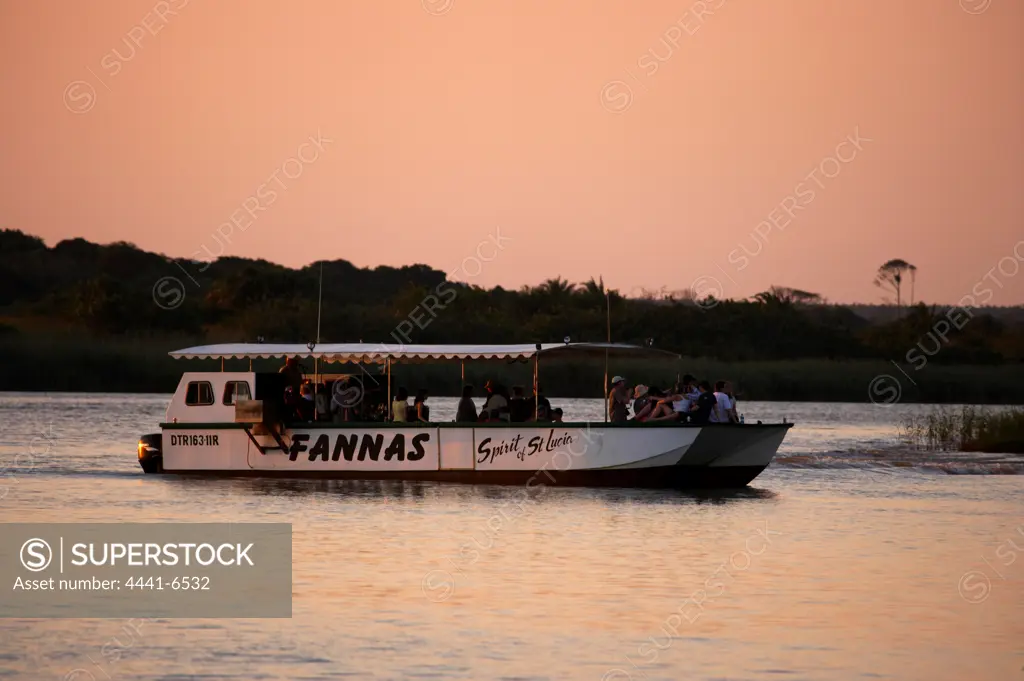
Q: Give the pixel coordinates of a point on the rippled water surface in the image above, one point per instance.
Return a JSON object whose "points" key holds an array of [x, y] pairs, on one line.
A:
{"points": [[850, 557]]}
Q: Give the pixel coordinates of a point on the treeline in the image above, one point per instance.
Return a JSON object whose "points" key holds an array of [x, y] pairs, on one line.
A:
{"points": [[119, 293]]}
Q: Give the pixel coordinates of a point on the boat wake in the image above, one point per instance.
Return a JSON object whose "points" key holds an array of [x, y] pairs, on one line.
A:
{"points": [[892, 460]]}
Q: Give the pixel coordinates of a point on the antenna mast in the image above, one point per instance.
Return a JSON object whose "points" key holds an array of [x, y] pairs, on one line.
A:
{"points": [[319, 301]]}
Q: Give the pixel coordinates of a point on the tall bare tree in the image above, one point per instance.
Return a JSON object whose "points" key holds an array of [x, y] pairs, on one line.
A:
{"points": [[890, 278], [913, 279]]}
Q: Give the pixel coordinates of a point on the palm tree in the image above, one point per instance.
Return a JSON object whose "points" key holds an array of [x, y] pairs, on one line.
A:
{"points": [[557, 288], [592, 288], [890, 277]]}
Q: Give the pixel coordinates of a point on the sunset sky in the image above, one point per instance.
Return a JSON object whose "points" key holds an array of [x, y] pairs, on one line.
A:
{"points": [[657, 144]]}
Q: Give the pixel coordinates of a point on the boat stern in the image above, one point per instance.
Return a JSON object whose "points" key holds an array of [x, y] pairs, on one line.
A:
{"points": [[151, 453]]}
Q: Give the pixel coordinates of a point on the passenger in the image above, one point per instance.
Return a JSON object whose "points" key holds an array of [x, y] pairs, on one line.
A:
{"points": [[688, 394], [306, 408], [400, 406], [723, 410], [344, 395], [467, 408], [701, 411], [556, 415], [642, 406], [496, 406], [618, 400], [542, 406], [322, 402], [292, 373], [662, 402], [519, 409], [291, 404], [421, 409], [734, 413]]}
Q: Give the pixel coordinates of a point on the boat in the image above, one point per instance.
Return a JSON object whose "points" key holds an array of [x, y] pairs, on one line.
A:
{"points": [[235, 423]]}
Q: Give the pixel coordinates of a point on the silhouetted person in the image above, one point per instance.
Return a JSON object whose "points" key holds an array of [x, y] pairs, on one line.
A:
{"points": [[542, 406], [292, 373], [400, 406], [496, 406], [422, 411], [467, 408], [519, 408], [705, 403]]}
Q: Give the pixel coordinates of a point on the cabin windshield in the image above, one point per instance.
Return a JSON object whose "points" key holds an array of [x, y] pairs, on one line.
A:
{"points": [[199, 394], [235, 391]]}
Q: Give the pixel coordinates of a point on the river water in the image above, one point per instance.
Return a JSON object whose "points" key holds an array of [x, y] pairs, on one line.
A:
{"points": [[851, 557]]}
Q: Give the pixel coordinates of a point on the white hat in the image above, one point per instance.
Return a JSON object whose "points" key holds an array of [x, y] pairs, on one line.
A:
{"points": [[618, 379], [640, 391]]}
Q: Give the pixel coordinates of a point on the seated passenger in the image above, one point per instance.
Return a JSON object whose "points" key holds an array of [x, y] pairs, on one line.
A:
{"points": [[400, 406], [496, 406], [291, 404], [664, 405], [734, 414], [642, 406], [519, 408], [421, 412], [701, 411], [306, 408], [543, 406], [344, 394], [556, 415], [467, 408], [689, 394]]}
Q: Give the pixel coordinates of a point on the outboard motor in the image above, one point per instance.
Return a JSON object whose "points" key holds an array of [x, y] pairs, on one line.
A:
{"points": [[151, 453]]}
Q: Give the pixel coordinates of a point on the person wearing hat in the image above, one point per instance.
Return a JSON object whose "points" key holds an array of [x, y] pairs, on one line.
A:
{"points": [[618, 400]]}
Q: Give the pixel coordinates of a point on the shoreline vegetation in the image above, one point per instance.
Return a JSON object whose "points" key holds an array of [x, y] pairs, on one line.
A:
{"points": [[81, 316], [76, 363], [968, 429]]}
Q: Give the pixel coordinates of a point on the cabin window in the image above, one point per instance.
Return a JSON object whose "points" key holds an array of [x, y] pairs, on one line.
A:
{"points": [[199, 394], [235, 391]]}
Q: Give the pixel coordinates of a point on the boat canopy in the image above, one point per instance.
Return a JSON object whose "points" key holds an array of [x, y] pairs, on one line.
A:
{"points": [[378, 353]]}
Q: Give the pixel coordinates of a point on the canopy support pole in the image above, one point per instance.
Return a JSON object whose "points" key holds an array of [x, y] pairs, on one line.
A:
{"points": [[608, 313], [387, 364], [463, 363], [222, 364], [536, 396], [316, 386], [250, 364]]}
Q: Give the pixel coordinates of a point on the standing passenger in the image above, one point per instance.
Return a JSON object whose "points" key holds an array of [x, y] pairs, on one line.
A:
{"points": [[400, 406], [292, 373], [618, 400]]}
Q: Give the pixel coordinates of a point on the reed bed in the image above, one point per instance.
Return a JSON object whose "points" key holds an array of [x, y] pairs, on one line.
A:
{"points": [[967, 429]]}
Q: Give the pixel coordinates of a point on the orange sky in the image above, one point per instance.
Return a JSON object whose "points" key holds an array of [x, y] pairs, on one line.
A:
{"points": [[659, 143]]}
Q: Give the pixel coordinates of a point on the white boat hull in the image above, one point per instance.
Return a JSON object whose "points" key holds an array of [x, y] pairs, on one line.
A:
{"points": [[597, 454]]}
